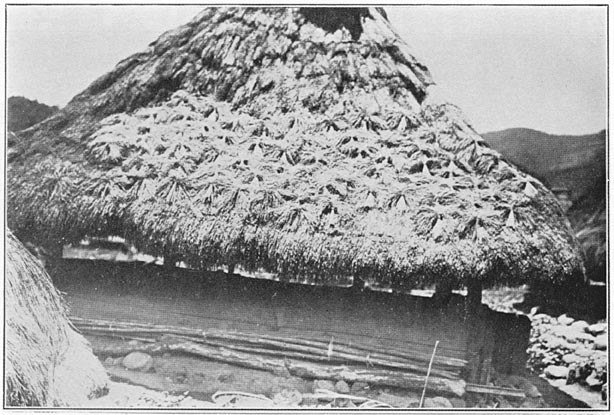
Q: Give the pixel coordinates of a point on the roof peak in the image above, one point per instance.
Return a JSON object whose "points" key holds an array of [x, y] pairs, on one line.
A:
{"points": [[331, 19]]}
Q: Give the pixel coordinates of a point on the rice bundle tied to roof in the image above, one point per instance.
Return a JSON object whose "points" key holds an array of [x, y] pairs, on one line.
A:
{"points": [[47, 363], [302, 142]]}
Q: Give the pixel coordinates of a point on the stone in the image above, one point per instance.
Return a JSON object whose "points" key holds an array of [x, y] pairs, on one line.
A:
{"points": [[601, 342], [564, 320], [556, 372], [583, 352], [342, 387], [342, 403], [323, 384], [585, 337], [134, 342], [592, 381], [458, 403], [358, 387], [600, 360], [542, 318], [571, 358], [109, 361], [309, 401], [579, 325], [288, 398], [598, 328], [504, 404], [571, 334], [398, 401], [437, 402], [530, 390], [553, 342], [138, 361]]}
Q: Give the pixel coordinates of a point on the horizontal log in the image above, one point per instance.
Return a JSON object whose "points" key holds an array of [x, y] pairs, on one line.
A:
{"points": [[377, 377], [494, 390], [408, 354], [336, 358], [336, 353], [404, 354], [281, 349], [355, 353], [210, 353]]}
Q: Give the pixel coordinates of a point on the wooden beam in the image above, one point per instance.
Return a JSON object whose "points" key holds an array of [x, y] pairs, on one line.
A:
{"points": [[494, 390], [297, 368]]}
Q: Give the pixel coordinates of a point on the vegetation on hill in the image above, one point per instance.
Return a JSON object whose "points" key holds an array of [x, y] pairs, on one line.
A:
{"points": [[560, 161], [22, 113], [576, 163]]}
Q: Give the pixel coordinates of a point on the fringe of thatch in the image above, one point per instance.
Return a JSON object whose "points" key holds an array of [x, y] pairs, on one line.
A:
{"points": [[590, 224], [47, 363], [303, 147]]}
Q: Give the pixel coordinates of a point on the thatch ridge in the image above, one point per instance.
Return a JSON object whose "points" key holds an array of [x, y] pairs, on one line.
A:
{"points": [[47, 362], [255, 137]]}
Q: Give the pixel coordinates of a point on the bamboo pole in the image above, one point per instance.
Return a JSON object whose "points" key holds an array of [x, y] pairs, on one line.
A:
{"points": [[307, 354], [281, 348], [273, 341], [301, 369]]}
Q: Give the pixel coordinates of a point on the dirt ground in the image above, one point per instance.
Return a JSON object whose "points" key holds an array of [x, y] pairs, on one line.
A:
{"points": [[199, 377]]}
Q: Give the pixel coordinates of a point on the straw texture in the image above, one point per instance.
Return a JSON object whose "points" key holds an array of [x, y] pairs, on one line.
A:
{"points": [[47, 363], [309, 144]]}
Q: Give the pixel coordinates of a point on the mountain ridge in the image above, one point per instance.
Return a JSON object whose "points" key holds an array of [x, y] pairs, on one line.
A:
{"points": [[571, 162]]}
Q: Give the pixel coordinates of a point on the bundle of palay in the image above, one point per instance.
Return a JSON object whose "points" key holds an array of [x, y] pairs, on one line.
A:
{"points": [[311, 359]]}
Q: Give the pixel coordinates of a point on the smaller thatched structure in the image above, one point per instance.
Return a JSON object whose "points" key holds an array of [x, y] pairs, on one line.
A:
{"points": [[47, 363]]}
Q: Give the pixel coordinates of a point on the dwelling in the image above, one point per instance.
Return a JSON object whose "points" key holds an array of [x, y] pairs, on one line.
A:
{"points": [[309, 145]]}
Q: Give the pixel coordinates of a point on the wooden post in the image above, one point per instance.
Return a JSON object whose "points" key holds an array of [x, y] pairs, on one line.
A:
{"points": [[474, 296], [443, 293], [474, 329], [488, 348], [51, 253], [358, 285], [56, 249], [170, 261]]}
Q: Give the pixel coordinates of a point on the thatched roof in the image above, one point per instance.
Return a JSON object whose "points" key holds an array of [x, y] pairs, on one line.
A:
{"points": [[301, 142], [47, 363]]}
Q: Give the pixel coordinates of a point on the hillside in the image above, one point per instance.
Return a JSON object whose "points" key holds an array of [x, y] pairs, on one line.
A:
{"points": [[23, 113], [567, 161], [573, 162]]}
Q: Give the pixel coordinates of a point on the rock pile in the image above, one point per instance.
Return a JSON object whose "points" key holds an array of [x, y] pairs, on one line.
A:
{"points": [[567, 349]]}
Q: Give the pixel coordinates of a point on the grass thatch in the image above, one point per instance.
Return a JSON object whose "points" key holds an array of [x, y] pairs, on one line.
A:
{"points": [[589, 221], [281, 140], [47, 363]]}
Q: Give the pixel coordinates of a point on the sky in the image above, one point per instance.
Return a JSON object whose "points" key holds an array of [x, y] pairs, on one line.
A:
{"points": [[540, 67]]}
